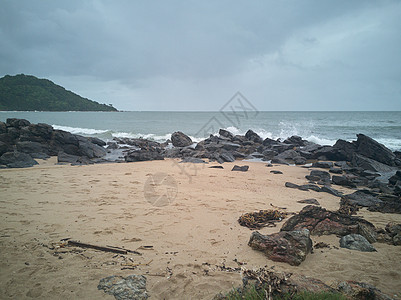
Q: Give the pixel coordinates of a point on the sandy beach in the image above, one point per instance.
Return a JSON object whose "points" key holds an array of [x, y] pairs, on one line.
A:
{"points": [[192, 236]]}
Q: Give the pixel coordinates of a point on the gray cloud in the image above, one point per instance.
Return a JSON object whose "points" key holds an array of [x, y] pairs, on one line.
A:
{"points": [[193, 55]]}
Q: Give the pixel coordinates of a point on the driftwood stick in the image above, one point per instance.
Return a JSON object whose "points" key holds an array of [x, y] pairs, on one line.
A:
{"points": [[107, 249]]}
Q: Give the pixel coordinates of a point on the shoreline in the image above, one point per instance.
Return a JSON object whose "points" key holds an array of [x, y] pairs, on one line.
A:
{"points": [[191, 237]]}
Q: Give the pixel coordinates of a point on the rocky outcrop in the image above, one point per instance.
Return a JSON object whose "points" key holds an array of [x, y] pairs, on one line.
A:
{"points": [[289, 246], [17, 159], [356, 242], [320, 221]]}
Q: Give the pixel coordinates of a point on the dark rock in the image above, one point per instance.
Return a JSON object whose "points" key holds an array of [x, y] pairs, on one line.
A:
{"points": [[370, 148], [307, 187], [343, 181], [4, 148], [227, 157], [295, 140], [320, 221], [299, 160], [289, 246], [344, 165], [309, 201], [3, 127], [356, 242], [335, 170], [63, 157], [142, 155], [253, 136], [97, 141], [362, 198], [361, 290], [277, 160], [322, 164], [323, 175], [330, 190], [112, 146], [394, 231], [226, 134], [180, 139], [396, 177], [64, 137], [124, 288], [342, 150], [240, 168], [269, 142], [193, 160], [276, 172], [365, 163], [269, 165], [17, 123], [32, 147], [321, 245], [216, 167], [230, 146], [312, 178], [88, 149], [17, 159], [291, 185]]}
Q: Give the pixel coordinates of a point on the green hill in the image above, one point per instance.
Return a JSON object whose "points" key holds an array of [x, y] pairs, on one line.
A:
{"points": [[28, 93]]}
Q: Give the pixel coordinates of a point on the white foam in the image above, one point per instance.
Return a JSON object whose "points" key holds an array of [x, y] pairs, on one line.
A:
{"points": [[78, 130]]}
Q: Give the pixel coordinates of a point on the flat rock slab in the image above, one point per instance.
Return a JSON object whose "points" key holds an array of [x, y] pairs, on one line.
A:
{"points": [[125, 288], [356, 242], [309, 201], [289, 246], [240, 168], [216, 167]]}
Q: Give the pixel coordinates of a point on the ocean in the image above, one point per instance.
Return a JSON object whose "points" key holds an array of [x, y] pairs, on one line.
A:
{"points": [[320, 127]]}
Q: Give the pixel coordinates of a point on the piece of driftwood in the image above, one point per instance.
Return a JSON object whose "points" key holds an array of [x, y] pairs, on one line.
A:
{"points": [[101, 248]]}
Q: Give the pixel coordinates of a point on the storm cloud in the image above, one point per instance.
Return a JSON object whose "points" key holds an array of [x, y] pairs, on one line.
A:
{"points": [[194, 55]]}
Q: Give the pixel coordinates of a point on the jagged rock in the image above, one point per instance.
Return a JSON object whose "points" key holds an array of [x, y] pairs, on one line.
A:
{"points": [[63, 157], [365, 163], [90, 150], [362, 198], [290, 246], [322, 164], [320, 221], [253, 136], [341, 151], [227, 157], [17, 159], [230, 146], [32, 148], [269, 142], [226, 134], [356, 242], [343, 180], [396, 177], [370, 148], [309, 201], [97, 141], [295, 140], [268, 154], [322, 175], [361, 290], [240, 168], [299, 160], [394, 231], [125, 288], [180, 139], [330, 190]]}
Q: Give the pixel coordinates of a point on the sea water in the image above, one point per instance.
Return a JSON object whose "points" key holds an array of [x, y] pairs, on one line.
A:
{"points": [[320, 127]]}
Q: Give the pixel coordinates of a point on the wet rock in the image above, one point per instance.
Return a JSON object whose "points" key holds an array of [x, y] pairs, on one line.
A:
{"points": [[361, 290], [125, 288], [322, 175], [291, 185], [365, 163], [356, 242], [295, 140], [289, 246], [320, 221], [180, 139], [309, 201], [370, 148], [240, 168], [322, 164], [343, 181], [17, 159], [253, 136]]}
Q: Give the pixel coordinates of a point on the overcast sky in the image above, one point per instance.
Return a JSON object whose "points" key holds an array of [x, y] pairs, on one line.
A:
{"points": [[194, 55]]}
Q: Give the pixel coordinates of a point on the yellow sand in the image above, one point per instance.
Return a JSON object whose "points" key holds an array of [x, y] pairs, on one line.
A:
{"points": [[111, 204]]}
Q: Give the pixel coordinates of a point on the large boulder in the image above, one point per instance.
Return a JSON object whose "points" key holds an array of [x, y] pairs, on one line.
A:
{"points": [[17, 160], [320, 221], [372, 149], [343, 180], [180, 139], [363, 198], [226, 134], [290, 246], [142, 155], [365, 163], [17, 123], [88, 149]]}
